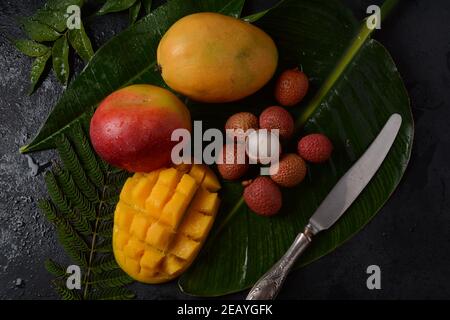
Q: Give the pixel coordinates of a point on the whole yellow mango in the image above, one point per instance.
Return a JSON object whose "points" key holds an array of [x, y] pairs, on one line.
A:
{"points": [[162, 220], [210, 57]]}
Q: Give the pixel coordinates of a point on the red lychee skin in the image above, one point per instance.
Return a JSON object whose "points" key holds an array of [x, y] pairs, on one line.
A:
{"points": [[291, 171], [231, 171], [276, 117], [291, 87], [263, 196], [315, 148], [243, 121]]}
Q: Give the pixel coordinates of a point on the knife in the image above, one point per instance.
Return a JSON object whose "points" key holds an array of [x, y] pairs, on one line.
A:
{"points": [[335, 204]]}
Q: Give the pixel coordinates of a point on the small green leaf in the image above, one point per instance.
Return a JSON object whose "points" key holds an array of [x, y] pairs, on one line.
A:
{"points": [[54, 13], [115, 6], [40, 32], [233, 8], [37, 68], [134, 11], [256, 16], [147, 6], [60, 53], [81, 43], [31, 48]]}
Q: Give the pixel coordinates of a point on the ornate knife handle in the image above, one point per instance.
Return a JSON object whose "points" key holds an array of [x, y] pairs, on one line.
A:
{"points": [[270, 283]]}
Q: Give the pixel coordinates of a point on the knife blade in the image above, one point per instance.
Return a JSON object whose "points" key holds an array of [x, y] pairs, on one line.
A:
{"points": [[341, 196], [356, 178]]}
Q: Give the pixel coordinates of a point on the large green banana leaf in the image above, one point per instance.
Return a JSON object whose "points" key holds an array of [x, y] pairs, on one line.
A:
{"points": [[354, 88]]}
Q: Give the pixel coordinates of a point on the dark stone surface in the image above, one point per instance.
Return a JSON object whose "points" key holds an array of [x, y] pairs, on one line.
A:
{"points": [[409, 239]]}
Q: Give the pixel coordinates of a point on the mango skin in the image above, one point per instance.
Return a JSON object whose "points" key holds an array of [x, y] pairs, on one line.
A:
{"points": [[210, 57], [132, 127]]}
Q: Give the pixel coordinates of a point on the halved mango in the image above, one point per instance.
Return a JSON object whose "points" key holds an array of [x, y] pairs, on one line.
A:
{"points": [[162, 220]]}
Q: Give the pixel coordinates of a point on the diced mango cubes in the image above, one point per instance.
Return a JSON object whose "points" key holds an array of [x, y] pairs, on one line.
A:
{"points": [[183, 247], [162, 219], [196, 224], [151, 258], [159, 236]]}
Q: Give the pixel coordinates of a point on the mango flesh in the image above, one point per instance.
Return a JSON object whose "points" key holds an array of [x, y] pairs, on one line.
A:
{"points": [[132, 127], [162, 220], [211, 57]]}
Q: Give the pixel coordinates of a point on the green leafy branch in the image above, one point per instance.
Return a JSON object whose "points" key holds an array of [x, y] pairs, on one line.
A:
{"points": [[82, 210], [134, 7], [49, 36]]}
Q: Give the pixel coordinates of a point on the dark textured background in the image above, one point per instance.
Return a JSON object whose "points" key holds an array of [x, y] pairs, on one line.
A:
{"points": [[409, 239]]}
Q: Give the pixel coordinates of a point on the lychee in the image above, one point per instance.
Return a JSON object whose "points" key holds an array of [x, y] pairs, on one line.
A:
{"points": [[315, 148], [289, 171], [263, 196], [277, 118], [234, 162], [291, 87], [263, 146], [241, 121]]}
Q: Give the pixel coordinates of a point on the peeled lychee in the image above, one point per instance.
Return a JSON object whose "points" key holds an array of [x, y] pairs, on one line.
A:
{"points": [[291, 87], [277, 118], [241, 121], [289, 171], [263, 146], [263, 196], [315, 148], [234, 161]]}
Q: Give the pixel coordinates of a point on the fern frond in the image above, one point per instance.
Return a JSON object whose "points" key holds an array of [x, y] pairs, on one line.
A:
{"points": [[112, 294], [83, 193], [104, 247], [66, 230], [79, 222], [74, 253], [111, 279], [84, 126], [105, 264], [112, 200], [106, 227], [77, 199], [65, 293], [56, 194], [106, 211], [112, 192], [73, 164], [66, 182], [88, 158], [55, 268], [73, 244], [118, 179], [48, 209], [106, 234]]}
